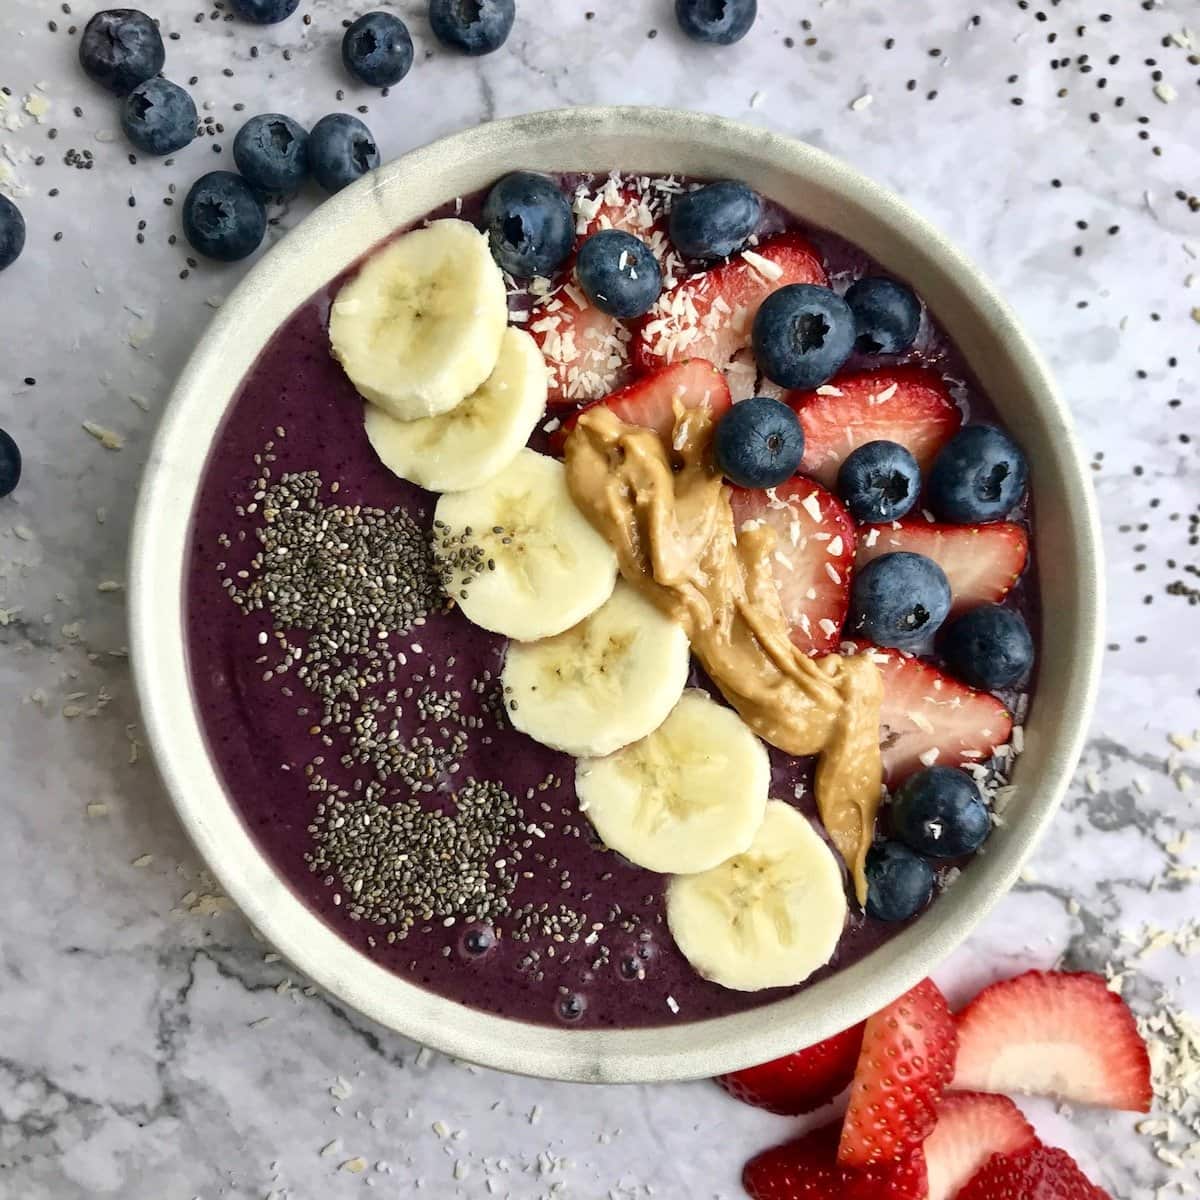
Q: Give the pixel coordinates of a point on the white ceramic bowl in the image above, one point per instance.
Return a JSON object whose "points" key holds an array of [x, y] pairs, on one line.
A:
{"points": [[823, 191]]}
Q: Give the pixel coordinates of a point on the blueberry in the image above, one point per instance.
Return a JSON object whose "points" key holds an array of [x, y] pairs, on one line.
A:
{"points": [[12, 233], [265, 12], [10, 463], [716, 220], [223, 217], [940, 813], [758, 443], [120, 48], [529, 223], [619, 273], [979, 476], [721, 22], [271, 151], [159, 117], [989, 647], [899, 600], [472, 26], [378, 49], [899, 882], [880, 481], [340, 150], [802, 335], [887, 315]]}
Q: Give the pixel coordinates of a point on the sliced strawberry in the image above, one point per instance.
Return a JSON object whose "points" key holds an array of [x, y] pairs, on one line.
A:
{"points": [[1036, 1173], [907, 1060], [650, 401], [586, 350], [928, 717], [807, 1169], [1054, 1033], [801, 1082], [814, 556], [711, 315], [971, 1127], [982, 562], [908, 405]]}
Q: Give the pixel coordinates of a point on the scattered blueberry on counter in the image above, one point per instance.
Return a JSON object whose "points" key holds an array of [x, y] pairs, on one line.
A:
{"points": [[887, 315], [716, 220], [12, 232], [939, 812], [989, 647], [120, 48], [758, 443], [159, 117], [341, 150], [223, 217], [378, 49], [271, 152], [721, 22], [803, 334], [979, 476], [619, 273], [473, 26], [899, 600], [899, 882], [265, 12], [529, 223], [879, 482], [10, 463]]}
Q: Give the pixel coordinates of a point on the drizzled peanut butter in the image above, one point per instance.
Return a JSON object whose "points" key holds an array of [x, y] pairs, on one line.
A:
{"points": [[666, 512]]}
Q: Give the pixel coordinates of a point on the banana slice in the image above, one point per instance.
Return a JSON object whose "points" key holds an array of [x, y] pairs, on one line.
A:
{"points": [[418, 328], [611, 680], [686, 797], [475, 441], [768, 917], [520, 558]]}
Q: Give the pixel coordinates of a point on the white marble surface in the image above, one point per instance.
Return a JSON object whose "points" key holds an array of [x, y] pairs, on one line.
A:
{"points": [[155, 1053]]}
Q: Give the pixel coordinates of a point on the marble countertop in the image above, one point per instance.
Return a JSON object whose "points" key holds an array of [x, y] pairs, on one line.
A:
{"points": [[150, 1047]]}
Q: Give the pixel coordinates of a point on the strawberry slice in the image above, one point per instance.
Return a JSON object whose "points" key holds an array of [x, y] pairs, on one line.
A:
{"points": [[907, 1060], [711, 315], [1036, 1173], [928, 717], [807, 1169], [801, 1082], [650, 401], [982, 562], [586, 350], [908, 405], [1054, 1033], [814, 556], [971, 1127], [631, 209]]}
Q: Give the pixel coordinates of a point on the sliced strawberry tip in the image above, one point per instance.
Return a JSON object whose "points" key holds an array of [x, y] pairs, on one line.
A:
{"points": [[813, 558], [1035, 1173], [970, 1128], [1054, 1033], [586, 350], [907, 405]]}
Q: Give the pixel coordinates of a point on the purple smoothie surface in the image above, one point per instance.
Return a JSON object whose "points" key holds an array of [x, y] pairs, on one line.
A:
{"points": [[611, 963]]}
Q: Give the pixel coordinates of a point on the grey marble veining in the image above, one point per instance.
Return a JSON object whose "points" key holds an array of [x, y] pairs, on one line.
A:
{"points": [[150, 1047]]}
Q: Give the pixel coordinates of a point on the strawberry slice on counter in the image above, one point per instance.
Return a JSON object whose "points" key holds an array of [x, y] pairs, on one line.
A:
{"points": [[906, 1062], [1036, 1173], [807, 1169], [801, 1082], [928, 717], [982, 562], [1054, 1033], [907, 405], [586, 350], [814, 556], [971, 1127], [711, 315], [650, 401]]}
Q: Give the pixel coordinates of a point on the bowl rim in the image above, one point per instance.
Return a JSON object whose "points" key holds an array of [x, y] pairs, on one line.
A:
{"points": [[158, 552]]}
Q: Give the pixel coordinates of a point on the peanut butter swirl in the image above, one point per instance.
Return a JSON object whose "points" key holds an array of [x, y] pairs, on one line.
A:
{"points": [[666, 512]]}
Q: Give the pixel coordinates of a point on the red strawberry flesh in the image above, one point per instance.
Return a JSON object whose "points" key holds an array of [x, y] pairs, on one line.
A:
{"points": [[1037, 1173], [971, 1127], [1054, 1033], [586, 350]]}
